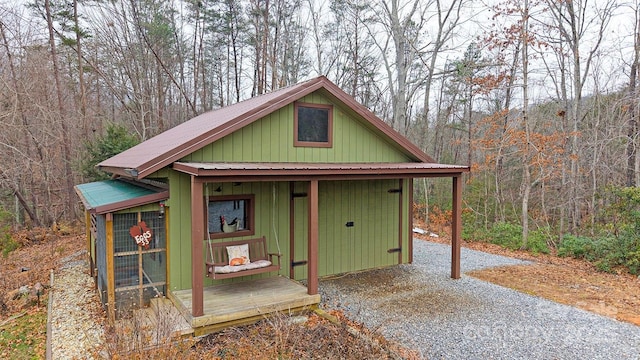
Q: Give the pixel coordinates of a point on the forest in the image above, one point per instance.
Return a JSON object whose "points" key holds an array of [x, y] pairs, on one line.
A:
{"points": [[537, 96]]}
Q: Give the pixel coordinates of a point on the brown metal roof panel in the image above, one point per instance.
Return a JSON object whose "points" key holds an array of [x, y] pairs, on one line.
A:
{"points": [[330, 166], [311, 168]]}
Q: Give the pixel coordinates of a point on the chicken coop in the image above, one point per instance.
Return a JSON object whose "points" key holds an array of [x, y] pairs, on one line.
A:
{"points": [[126, 240]]}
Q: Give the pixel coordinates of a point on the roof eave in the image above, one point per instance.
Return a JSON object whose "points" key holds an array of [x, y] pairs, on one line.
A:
{"points": [[126, 172], [121, 205], [331, 173]]}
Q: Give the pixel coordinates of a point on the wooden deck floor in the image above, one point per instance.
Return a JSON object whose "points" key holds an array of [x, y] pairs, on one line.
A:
{"points": [[243, 302]]}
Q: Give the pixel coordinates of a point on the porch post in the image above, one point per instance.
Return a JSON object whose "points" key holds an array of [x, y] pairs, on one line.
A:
{"points": [[456, 226], [400, 227], [312, 264], [197, 236], [410, 227]]}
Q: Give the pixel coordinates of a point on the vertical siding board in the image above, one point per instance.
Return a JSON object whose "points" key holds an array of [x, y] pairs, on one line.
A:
{"points": [[384, 222], [360, 244], [377, 224], [373, 214], [286, 132], [343, 234], [350, 234], [327, 237], [185, 231]]}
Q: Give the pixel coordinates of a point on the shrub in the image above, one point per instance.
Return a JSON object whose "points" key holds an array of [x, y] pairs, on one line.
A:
{"points": [[607, 253], [633, 262], [506, 235], [471, 230], [575, 246], [537, 242]]}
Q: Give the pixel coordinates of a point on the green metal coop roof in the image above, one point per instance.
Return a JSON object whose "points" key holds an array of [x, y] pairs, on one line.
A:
{"points": [[106, 196]]}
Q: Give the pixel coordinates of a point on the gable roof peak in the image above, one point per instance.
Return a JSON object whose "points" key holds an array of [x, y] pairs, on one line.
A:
{"points": [[190, 136]]}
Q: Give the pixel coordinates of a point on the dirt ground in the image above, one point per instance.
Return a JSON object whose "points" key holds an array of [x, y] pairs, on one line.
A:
{"points": [[564, 280]]}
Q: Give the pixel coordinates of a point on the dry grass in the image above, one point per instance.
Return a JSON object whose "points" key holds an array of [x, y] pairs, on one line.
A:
{"points": [[22, 316], [318, 337], [40, 252], [281, 336]]}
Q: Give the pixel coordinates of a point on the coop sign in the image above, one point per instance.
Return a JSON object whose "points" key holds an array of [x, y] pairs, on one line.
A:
{"points": [[141, 234]]}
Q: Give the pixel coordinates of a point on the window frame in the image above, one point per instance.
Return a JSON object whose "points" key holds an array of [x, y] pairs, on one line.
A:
{"points": [[320, 144], [250, 211]]}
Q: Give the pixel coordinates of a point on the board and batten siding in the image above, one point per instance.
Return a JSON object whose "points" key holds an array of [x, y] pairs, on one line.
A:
{"points": [[374, 213], [270, 139], [373, 210]]}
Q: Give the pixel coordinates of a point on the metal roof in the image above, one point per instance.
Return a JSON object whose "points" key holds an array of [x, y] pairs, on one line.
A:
{"points": [[112, 195], [303, 171], [181, 140]]}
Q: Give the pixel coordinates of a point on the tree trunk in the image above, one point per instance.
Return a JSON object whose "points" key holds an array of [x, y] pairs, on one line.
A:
{"points": [[66, 148], [632, 130], [526, 176], [83, 99]]}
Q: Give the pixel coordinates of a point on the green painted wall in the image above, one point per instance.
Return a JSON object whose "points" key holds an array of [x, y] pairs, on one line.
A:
{"points": [[271, 140], [374, 213], [265, 222], [373, 210]]}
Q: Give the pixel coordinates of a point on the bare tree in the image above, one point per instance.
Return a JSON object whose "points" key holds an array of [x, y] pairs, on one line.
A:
{"points": [[574, 24], [632, 127], [64, 138]]}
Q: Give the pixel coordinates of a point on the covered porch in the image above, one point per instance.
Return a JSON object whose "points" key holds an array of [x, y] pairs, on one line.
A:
{"points": [[244, 302], [202, 305]]}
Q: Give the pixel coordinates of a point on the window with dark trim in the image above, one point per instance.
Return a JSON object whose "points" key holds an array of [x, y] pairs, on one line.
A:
{"points": [[313, 125], [230, 215]]}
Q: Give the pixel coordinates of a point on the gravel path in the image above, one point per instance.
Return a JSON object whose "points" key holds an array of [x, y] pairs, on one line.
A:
{"points": [[420, 306], [75, 331]]}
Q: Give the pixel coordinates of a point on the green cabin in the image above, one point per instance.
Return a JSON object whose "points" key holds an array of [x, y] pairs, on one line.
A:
{"points": [[304, 173]]}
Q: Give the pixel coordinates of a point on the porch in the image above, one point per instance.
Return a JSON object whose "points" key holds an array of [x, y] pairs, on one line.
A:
{"points": [[244, 302]]}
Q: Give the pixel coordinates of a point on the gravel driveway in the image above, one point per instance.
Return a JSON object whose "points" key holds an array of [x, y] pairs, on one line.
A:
{"points": [[420, 306]]}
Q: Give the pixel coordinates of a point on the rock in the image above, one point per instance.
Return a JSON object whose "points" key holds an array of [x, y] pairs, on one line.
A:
{"points": [[297, 320], [18, 293]]}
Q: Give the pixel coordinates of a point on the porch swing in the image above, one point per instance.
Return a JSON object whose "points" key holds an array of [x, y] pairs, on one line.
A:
{"points": [[231, 259]]}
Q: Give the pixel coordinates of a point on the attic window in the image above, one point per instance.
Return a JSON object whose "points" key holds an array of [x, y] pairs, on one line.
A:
{"points": [[313, 125]]}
